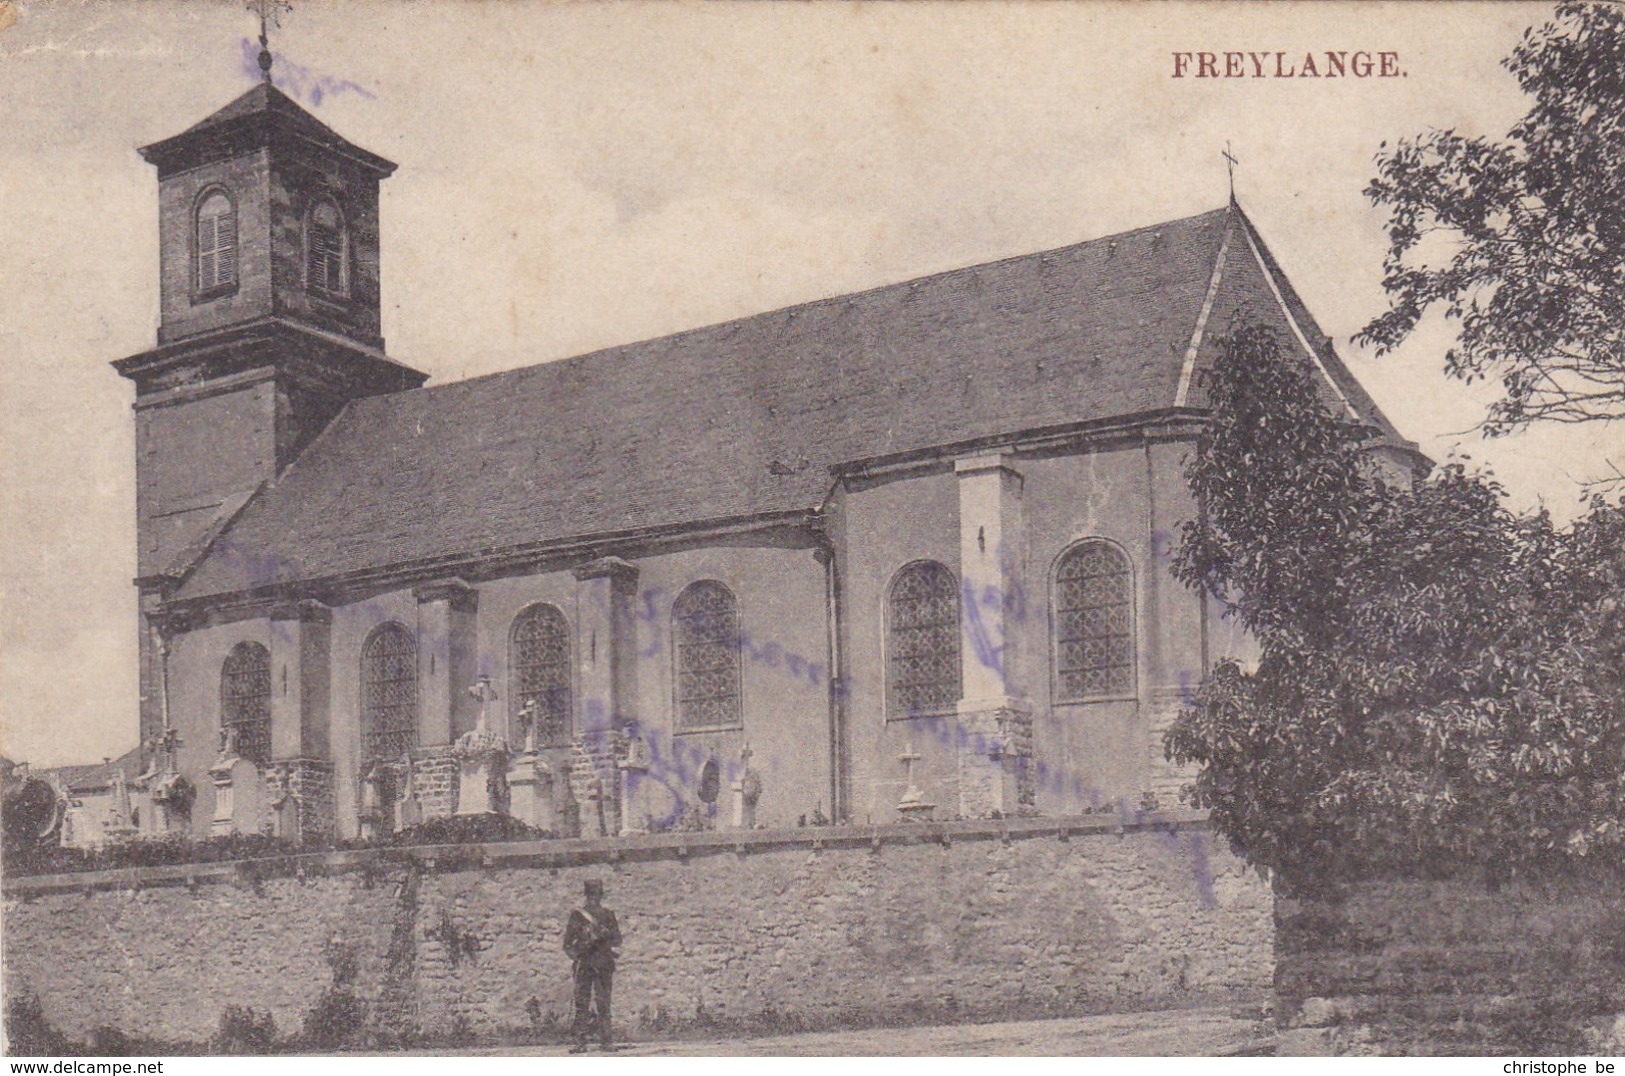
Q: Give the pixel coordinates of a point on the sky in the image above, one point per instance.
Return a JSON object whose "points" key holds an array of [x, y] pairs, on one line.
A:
{"points": [[578, 175]]}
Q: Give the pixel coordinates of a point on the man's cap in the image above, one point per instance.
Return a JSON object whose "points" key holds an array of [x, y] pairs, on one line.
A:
{"points": [[594, 885]]}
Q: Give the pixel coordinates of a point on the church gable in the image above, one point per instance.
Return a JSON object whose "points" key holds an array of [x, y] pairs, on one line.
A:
{"points": [[1248, 284]]}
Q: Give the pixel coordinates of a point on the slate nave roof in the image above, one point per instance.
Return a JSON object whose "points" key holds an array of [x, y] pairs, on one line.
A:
{"points": [[703, 425]]}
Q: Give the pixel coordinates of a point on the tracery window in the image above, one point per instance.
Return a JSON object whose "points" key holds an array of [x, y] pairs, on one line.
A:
{"points": [[922, 640], [539, 660], [705, 640], [1094, 623], [324, 248], [216, 243], [389, 694], [245, 700]]}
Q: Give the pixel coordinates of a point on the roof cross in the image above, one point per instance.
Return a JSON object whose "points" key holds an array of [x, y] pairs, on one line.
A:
{"points": [[1230, 162], [270, 13]]}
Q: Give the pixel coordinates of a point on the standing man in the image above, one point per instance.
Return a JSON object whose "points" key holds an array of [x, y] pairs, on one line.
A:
{"points": [[592, 941]]}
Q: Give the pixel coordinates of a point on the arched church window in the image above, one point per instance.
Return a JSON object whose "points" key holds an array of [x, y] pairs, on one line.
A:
{"points": [[922, 640], [539, 660], [216, 243], [325, 248], [1094, 623], [705, 640], [389, 694], [245, 700]]}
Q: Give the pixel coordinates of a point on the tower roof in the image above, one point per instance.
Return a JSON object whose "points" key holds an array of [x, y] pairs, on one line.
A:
{"points": [[247, 123]]}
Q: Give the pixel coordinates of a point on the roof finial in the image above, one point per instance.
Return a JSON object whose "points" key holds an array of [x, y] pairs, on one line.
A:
{"points": [[270, 13], [1230, 163]]}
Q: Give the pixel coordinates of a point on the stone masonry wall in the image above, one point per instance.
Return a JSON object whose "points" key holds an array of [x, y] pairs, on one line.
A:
{"points": [[165, 961], [834, 925], [595, 783], [310, 783], [1167, 781], [1451, 967], [434, 779]]}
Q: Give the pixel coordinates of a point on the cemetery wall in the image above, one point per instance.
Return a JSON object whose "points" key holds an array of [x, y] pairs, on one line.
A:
{"points": [[814, 927]]}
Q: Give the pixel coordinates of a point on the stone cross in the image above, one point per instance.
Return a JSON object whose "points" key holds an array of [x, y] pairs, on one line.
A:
{"points": [[747, 791], [634, 772], [486, 694], [270, 13], [372, 802], [913, 805], [169, 745], [527, 717], [1230, 162]]}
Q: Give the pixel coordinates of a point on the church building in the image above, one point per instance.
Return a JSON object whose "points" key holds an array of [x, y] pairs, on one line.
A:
{"points": [[898, 554]]}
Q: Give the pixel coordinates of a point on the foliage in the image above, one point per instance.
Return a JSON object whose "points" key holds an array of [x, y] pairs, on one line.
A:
{"points": [[31, 857], [334, 1021], [655, 1021], [1533, 227], [459, 943], [28, 1032], [108, 1041], [468, 829], [695, 818], [338, 1017], [545, 1025], [244, 1030], [1441, 682], [28, 815], [153, 852]]}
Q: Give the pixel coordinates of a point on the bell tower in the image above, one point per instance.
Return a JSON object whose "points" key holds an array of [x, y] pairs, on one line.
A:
{"points": [[269, 326]]}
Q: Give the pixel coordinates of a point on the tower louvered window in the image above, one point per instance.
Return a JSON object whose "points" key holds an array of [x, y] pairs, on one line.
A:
{"points": [[324, 240], [705, 636], [245, 700], [389, 694], [216, 243], [1094, 623], [922, 641], [539, 653]]}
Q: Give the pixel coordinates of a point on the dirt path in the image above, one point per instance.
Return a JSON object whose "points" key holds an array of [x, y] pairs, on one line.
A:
{"points": [[1168, 1033]]}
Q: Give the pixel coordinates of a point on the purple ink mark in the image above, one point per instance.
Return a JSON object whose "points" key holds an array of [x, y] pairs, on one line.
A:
{"points": [[1187, 690], [1202, 870], [650, 616], [989, 653], [298, 81], [1162, 545]]}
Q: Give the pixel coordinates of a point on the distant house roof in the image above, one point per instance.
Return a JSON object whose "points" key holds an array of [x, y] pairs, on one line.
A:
{"points": [[97, 775], [745, 419]]}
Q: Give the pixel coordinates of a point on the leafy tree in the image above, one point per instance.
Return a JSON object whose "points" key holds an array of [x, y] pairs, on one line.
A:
{"points": [[1530, 230], [1440, 681], [29, 815]]}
